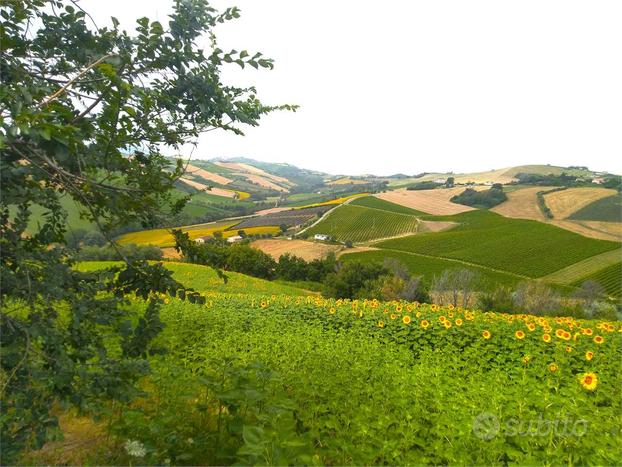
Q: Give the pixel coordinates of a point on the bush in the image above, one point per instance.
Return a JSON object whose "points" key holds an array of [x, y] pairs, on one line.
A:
{"points": [[481, 199], [248, 260], [353, 279], [424, 186]]}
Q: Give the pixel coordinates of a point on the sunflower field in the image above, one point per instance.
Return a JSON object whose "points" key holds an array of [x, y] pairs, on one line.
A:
{"points": [[257, 379]]}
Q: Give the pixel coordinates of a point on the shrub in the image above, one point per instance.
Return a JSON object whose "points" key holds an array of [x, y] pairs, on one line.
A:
{"points": [[481, 199], [131, 252]]}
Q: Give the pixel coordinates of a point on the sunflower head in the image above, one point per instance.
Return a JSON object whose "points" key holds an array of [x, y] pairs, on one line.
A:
{"points": [[546, 337], [486, 334], [599, 339], [589, 355], [519, 334], [589, 381], [459, 322], [552, 368], [380, 324], [406, 319], [425, 324]]}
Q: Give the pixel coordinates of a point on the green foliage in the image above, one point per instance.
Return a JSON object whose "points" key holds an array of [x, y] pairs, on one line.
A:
{"points": [[130, 252], [362, 224], [377, 203], [606, 210], [481, 199], [361, 394], [86, 113], [524, 247], [427, 185], [353, 280]]}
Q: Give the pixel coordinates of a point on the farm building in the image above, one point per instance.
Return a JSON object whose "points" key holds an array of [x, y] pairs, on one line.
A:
{"points": [[202, 239], [321, 237], [234, 239]]}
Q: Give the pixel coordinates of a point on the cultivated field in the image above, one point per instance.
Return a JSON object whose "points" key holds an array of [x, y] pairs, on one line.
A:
{"points": [[589, 266], [340, 382], [308, 251], [290, 218], [519, 246], [347, 181], [376, 203], [522, 204], [566, 202], [610, 278], [428, 267], [163, 237], [214, 191], [607, 209], [249, 169], [434, 202], [263, 182], [204, 174], [361, 224], [600, 230]]}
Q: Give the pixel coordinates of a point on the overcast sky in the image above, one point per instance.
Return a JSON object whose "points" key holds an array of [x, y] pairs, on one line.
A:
{"points": [[411, 86]]}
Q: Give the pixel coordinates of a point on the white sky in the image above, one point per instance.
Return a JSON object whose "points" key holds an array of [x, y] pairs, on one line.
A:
{"points": [[411, 86]]}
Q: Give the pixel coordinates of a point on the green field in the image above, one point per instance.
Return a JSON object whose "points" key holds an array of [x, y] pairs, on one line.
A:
{"points": [[377, 203], [429, 267], [282, 380], [204, 279], [609, 277], [606, 209], [519, 246], [361, 224]]}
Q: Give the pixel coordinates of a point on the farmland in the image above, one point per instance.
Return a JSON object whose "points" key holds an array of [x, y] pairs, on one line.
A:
{"points": [[523, 247], [522, 204], [423, 375], [377, 203], [361, 224], [428, 267], [163, 237], [565, 202], [609, 277], [289, 218], [434, 202], [308, 251], [587, 267], [608, 209]]}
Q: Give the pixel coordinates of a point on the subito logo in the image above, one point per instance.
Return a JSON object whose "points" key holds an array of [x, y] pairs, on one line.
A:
{"points": [[486, 426]]}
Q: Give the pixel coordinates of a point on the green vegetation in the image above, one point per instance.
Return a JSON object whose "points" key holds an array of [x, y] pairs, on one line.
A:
{"points": [[361, 224], [609, 277], [377, 203], [576, 271], [519, 246], [429, 267], [205, 279], [606, 210], [481, 199], [426, 185]]}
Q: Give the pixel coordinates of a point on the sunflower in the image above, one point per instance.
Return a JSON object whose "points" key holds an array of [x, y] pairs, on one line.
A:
{"points": [[526, 359], [568, 349], [442, 318], [263, 304], [486, 334], [418, 314], [546, 337], [398, 308], [459, 322], [332, 311], [552, 368], [380, 324], [589, 381], [393, 316], [589, 355], [599, 339], [559, 333], [447, 324], [425, 324], [566, 336], [519, 334], [531, 327], [406, 319], [587, 331]]}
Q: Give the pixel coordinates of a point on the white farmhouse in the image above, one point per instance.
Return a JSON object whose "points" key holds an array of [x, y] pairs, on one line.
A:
{"points": [[321, 237], [234, 239]]}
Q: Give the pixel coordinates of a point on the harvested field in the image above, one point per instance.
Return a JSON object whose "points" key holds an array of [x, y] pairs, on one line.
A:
{"points": [[262, 182], [434, 202], [566, 202], [301, 248], [238, 166], [522, 204], [214, 191], [592, 229], [212, 177]]}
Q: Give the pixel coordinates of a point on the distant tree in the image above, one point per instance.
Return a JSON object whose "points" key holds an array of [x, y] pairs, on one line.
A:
{"points": [[456, 286], [283, 228], [94, 238], [351, 279], [349, 244], [217, 234], [536, 298], [449, 183], [242, 233], [248, 260]]}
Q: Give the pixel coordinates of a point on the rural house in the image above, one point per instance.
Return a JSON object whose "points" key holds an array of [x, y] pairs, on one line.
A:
{"points": [[321, 237]]}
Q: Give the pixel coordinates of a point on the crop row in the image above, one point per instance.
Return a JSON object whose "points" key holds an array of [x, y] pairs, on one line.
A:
{"points": [[524, 247], [361, 224]]}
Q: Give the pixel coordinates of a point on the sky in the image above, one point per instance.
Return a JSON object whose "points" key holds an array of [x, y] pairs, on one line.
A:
{"points": [[400, 86]]}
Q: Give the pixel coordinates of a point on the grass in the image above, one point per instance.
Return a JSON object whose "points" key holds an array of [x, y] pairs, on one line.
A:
{"points": [[430, 267], [377, 203], [524, 247], [609, 277], [575, 272], [204, 279], [606, 210], [335, 201], [361, 224]]}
